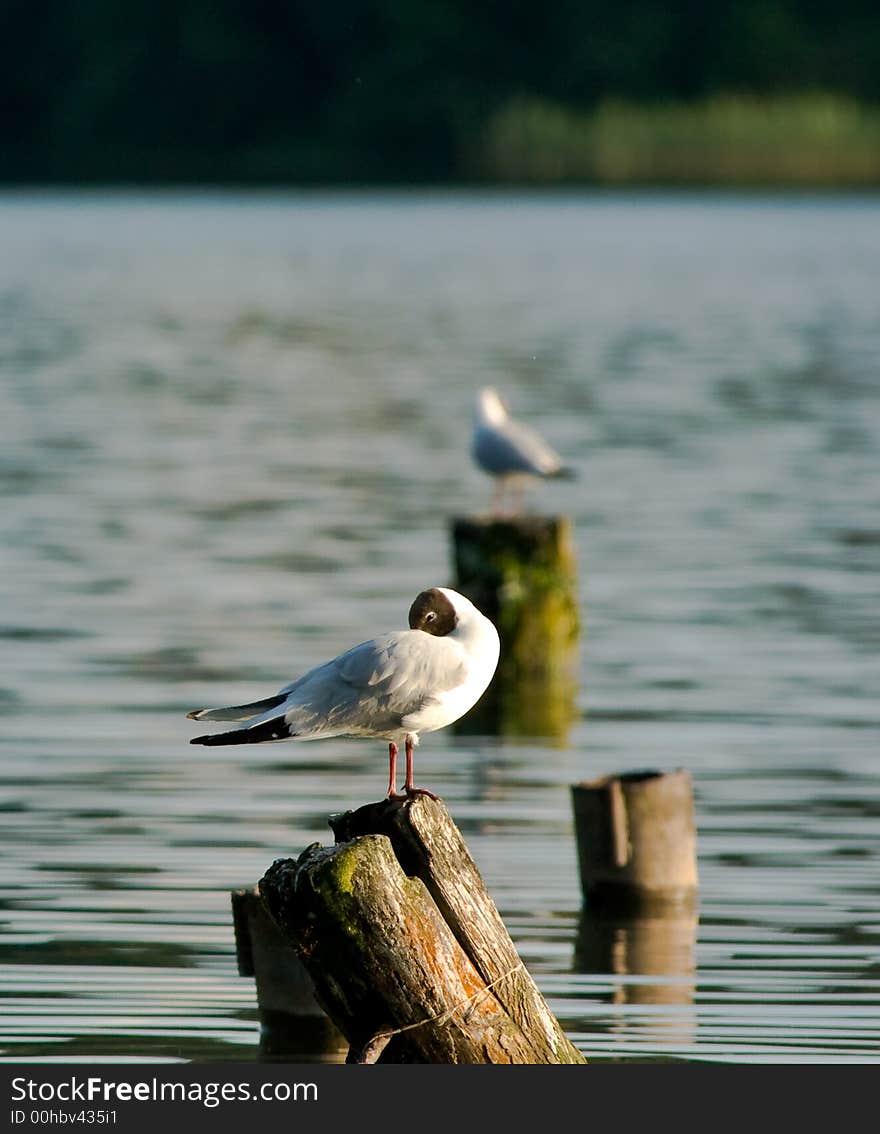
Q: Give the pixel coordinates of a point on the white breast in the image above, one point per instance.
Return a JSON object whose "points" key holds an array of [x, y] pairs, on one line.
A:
{"points": [[480, 646]]}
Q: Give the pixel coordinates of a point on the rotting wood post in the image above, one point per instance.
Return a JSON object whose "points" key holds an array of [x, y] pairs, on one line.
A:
{"points": [[636, 839], [521, 573], [408, 953], [291, 1020]]}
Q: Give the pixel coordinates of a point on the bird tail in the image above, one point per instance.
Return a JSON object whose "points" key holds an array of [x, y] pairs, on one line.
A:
{"points": [[275, 729], [238, 712]]}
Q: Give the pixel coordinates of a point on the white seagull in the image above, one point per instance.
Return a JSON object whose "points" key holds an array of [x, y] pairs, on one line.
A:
{"points": [[512, 453], [394, 687]]}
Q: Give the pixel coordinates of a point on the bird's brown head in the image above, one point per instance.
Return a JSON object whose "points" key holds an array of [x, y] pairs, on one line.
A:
{"points": [[433, 612]]}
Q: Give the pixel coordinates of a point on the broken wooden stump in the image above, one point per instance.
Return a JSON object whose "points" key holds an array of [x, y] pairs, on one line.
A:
{"points": [[291, 1020], [520, 572], [636, 846], [407, 952], [636, 839]]}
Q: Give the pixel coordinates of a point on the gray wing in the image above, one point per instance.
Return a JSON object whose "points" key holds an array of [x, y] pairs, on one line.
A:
{"points": [[371, 687], [513, 448]]}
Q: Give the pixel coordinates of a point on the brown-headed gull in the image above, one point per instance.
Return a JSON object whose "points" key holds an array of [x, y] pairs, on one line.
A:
{"points": [[395, 686], [512, 453]]}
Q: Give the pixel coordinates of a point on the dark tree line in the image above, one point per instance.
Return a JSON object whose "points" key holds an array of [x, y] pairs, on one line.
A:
{"points": [[312, 90]]}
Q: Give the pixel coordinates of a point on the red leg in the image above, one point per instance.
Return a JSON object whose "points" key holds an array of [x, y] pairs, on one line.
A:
{"points": [[392, 770], [408, 785]]}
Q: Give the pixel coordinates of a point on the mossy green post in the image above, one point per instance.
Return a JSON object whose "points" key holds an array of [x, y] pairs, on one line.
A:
{"points": [[407, 951], [521, 573]]}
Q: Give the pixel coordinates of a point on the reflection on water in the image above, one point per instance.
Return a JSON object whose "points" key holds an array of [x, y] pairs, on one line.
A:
{"points": [[293, 1026], [234, 431], [653, 954], [541, 706]]}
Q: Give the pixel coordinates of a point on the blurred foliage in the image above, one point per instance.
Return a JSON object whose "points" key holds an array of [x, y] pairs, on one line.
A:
{"points": [[795, 140], [261, 91]]}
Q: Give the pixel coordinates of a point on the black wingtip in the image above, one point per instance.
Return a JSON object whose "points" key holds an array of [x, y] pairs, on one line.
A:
{"points": [[277, 729]]}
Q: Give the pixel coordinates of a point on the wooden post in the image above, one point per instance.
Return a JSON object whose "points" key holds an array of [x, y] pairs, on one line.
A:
{"points": [[291, 1020], [407, 952], [520, 572], [636, 838]]}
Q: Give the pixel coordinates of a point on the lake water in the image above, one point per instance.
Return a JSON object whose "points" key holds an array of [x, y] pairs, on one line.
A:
{"points": [[234, 432]]}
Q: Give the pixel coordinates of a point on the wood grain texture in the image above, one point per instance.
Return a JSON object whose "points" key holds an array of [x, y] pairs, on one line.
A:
{"points": [[408, 953], [636, 836]]}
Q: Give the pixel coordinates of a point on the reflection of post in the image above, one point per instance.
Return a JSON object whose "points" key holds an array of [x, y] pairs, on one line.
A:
{"points": [[291, 1020], [636, 838], [638, 867], [652, 952], [520, 572], [656, 945]]}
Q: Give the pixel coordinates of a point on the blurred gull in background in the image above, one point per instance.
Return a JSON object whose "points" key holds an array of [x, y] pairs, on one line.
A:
{"points": [[513, 453]]}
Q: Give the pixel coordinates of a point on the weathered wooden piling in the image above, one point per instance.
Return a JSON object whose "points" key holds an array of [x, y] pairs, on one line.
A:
{"points": [[637, 860], [636, 839], [521, 573], [291, 1020], [407, 952]]}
